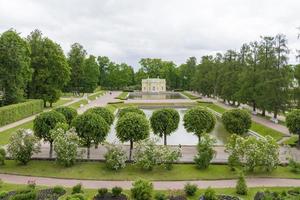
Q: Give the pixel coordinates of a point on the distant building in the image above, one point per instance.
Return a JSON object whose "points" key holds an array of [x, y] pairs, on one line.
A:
{"points": [[153, 85]]}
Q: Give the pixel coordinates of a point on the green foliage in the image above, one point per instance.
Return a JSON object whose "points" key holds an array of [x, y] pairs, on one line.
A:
{"points": [[58, 190], [293, 122], [115, 157], [126, 110], [51, 70], [102, 191], [241, 185], [91, 128], [22, 145], [210, 194], [91, 74], [3, 194], [76, 189], [205, 152], [294, 166], [25, 195], [198, 121], [15, 69], [190, 189], [76, 197], [15, 112], [68, 112], [66, 144], [116, 191], [105, 113], [164, 122], [252, 153], [160, 196], [2, 156], [132, 127], [141, 190], [236, 121]]}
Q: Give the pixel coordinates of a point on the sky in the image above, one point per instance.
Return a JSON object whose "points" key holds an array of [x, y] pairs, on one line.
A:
{"points": [[128, 30]]}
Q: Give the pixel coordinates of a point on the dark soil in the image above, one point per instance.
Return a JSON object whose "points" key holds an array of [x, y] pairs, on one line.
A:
{"points": [[109, 196]]}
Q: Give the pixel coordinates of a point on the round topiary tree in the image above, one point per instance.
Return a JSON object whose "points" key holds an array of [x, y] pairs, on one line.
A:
{"points": [[44, 123], [123, 111], [236, 121], [69, 113], [198, 121], [106, 114], [164, 122], [132, 127], [91, 128], [293, 123]]}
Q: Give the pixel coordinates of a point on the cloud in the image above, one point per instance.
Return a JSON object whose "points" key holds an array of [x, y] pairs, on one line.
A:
{"points": [[128, 30]]}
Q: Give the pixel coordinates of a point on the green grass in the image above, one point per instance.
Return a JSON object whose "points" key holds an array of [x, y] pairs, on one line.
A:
{"points": [[98, 171], [77, 104], [257, 127], [58, 103], [292, 141], [123, 96], [189, 95], [5, 135], [94, 95], [90, 193]]}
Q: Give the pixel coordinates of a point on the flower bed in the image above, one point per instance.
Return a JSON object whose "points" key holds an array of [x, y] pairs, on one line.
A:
{"points": [[110, 196]]}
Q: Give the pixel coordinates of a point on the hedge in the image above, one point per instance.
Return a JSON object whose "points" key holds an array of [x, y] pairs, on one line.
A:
{"points": [[15, 112]]}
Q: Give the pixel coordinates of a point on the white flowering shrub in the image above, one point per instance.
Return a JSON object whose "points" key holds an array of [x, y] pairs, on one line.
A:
{"points": [[148, 154], [252, 153], [66, 146], [115, 157]]}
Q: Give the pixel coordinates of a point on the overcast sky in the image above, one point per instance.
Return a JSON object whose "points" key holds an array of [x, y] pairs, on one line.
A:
{"points": [[127, 30]]}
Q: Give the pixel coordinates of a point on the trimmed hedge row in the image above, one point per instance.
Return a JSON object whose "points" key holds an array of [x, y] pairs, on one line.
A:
{"points": [[15, 112]]}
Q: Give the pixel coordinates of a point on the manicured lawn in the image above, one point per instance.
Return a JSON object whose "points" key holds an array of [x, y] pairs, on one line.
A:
{"points": [[98, 171], [122, 96], [292, 141], [5, 135], [213, 106], [190, 95], [94, 95], [58, 103], [77, 104]]}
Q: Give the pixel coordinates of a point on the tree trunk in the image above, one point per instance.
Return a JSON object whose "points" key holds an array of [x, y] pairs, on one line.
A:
{"points": [[254, 106], [45, 104], [51, 149], [199, 138], [165, 139], [298, 140], [263, 112], [88, 152], [50, 104], [130, 151], [275, 114]]}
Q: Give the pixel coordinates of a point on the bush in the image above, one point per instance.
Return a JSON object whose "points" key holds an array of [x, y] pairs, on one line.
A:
{"points": [[237, 121], [102, 191], [2, 156], [115, 157], [59, 190], [142, 190], [68, 112], [3, 194], [294, 166], [123, 111], [65, 147], [205, 152], [160, 196], [293, 122], [77, 189], [104, 113], [15, 112], [210, 194], [190, 189], [23, 145], [116, 191], [76, 197], [241, 185], [25, 195]]}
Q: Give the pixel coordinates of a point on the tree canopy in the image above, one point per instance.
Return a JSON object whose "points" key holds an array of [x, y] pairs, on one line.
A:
{"points": [[236, 121]]}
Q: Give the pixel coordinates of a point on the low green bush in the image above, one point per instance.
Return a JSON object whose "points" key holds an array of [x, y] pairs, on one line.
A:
{"points": [[241, 185], [25, 195], [3, 194], [294, 166], [2, 156], [59, 190], [15, 112], [77, 189], [142, 190], [160, 196], [102, 191], [116, 191], [210, 194], [115, 102], [76, 197], [190, 189]]}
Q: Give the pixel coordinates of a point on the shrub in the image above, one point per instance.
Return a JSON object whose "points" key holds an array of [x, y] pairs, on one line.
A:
{"points": [[123, 111], [68, 112], [3, 194], [294, 166], [105, 113], [205, 152], [190, 189], [210, 194], [115, 157], [102, 191], [65, 147], [198, 121], [142, 190], [77, 189], [241, 185], [2, 156], [160, 196], [116, 191], [76, 197], [15, 112], [293, 122], [236, 121], [59, 190], [25, 195], [23, 145]]}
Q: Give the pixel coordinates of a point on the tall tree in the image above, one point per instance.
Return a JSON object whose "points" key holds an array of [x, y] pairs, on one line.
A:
{"points": [[51, 69], [186, 72], [103, 63], [15, 70], [76, 58], [91, 74]]}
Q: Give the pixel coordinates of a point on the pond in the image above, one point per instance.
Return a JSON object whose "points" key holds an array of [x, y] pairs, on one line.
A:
{"points": [[155, 96], [180, 136]]}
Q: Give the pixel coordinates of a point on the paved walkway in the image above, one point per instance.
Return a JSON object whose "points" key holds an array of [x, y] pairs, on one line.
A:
{"points": [[159, 185]]}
